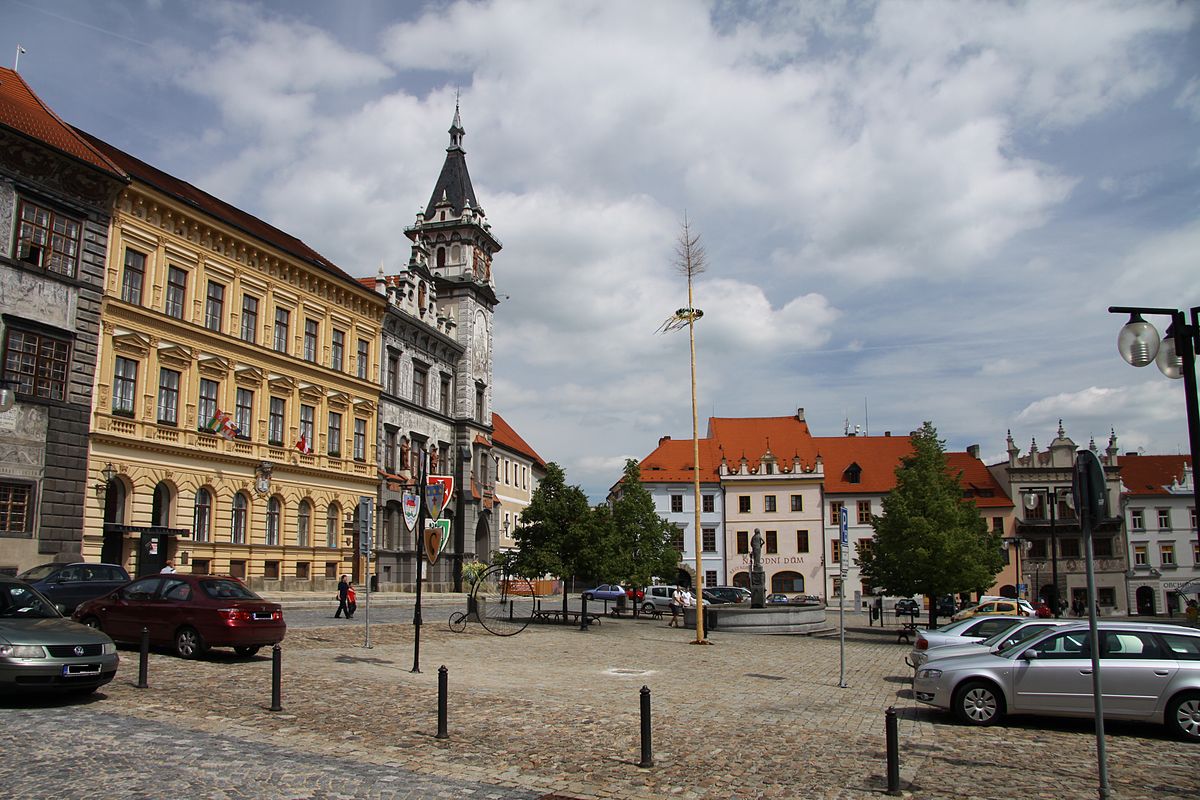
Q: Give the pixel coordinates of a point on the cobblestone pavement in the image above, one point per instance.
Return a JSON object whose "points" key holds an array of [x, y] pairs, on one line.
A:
{"points": [[553, 712]]}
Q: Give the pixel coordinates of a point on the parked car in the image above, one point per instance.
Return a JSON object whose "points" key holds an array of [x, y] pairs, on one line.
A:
{"points": [[1009, 637], [605, 591], [1153, 674], [658, 598], [712, 598], [69, 585], [189, 613], [776, 598], [946, 606], [906, 605], [961, 632], [41, 650], [1006, 606], [805, 600], [732, 594]]}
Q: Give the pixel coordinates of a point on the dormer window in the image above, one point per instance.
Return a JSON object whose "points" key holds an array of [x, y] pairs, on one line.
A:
{"points": [[853, 473]]}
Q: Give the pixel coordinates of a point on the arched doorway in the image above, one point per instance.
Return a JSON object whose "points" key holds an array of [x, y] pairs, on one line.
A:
{"points": [[1009, 591], [483, 541], [741, 580], [783, 582], [112, 551], [1145, 601]]}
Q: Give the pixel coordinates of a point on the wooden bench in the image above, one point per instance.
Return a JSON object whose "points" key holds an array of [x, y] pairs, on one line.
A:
{"points": [[905, 632], [557, 615]]}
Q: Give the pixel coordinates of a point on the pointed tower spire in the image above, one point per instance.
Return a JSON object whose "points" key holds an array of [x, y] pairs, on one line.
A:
{"points": [[456, 128]]}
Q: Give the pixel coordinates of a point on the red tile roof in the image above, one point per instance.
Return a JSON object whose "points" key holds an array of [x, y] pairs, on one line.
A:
{"points": [[25, 113], [1149, 475], [504, 435]]}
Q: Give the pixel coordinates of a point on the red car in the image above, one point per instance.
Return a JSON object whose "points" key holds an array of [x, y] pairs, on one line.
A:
{"points": [[190, 613]]}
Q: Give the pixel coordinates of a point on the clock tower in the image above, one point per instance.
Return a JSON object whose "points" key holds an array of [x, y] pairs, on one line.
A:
{"points": [[454, 233]]}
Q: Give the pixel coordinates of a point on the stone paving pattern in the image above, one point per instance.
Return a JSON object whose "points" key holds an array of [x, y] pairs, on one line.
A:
{"points": [[554, 712]]}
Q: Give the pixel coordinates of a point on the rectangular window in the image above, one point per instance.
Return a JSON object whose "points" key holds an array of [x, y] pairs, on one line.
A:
{"points": [[168, 396], [133, 277], [311, 332], [249, 318], [391, 375], [864, 512], [237, 567], [1166, 554], [707, 504], [772, 543], [444, 399], [337, 350], [176, 292], [47, 239], [998, 525], [214, 306], [280, 339], [243, 413], [801, 541], [677, 538], [331, 569], [389, 451], [743, 542], [124, 386], [837, 587], [709, 539], [206, 408], [676, 503], [364, 359], [710, 577], [16, 507], [835, 551], [797, 502], [1068, 547], [201, 566], [1102, 547], [769, 503], [360, 439], [1140, 555], [271, 570], [743, 504], [835, 512], [334, 442], [479, 403], [420, 376], [1037, 549], [308, 416], [37, 362], [302, 570], [275, 421], [865, 546], [1164, 519], [1137, 519]]}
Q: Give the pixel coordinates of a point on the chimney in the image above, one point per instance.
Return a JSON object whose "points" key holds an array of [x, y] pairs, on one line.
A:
{"points": [[800, 414], [662, 439], [973, 451], [887, 433]]}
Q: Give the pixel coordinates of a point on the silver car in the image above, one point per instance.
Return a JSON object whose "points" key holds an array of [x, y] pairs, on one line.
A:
{"points": [[40, 650], [1147, 672], [962, 632], [1009, 637]]}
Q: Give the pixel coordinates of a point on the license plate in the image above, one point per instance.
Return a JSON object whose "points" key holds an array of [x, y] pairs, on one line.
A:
{"points": [[75, 670], [262, 615]]}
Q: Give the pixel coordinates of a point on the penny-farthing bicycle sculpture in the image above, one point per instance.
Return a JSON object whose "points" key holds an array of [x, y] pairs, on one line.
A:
{"points": [[501, 602]]}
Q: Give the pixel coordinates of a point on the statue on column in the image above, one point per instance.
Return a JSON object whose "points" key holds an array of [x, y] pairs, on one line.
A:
{"points": [[758, 577]]}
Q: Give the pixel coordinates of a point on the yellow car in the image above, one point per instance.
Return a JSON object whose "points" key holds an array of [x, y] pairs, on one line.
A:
{"points": [[1014, 608]]}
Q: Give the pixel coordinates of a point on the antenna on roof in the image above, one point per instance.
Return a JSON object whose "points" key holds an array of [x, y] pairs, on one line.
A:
{"points": [[866, 419], [17, 59]]}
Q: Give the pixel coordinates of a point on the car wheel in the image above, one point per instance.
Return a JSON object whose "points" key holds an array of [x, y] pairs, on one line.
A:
{"points": [[247, 650], [188, 643], [647, 608], [1183, 716], [587, 596], [91, 622], [978, 703]]}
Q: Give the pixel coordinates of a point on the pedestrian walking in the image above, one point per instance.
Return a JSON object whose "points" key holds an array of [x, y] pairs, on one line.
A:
{"points": [[675, 605], [343, 592], [1193, 613], [351, 601]]}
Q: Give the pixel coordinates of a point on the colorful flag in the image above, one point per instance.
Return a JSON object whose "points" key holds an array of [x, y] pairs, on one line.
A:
{"points": [[222, 425], [304, 445]]}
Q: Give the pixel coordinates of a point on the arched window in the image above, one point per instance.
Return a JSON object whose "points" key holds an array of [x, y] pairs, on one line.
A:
{"points": [[273, 512], [331, 525], [787, 582], [237, 519], [160, 512], [304, 523], [455, 254], [441, 257], [202, 516]]}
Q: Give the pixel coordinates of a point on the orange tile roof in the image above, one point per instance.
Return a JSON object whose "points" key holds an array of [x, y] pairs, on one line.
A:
{"points": [[1149, 475], [504, 435], [25, 113]]}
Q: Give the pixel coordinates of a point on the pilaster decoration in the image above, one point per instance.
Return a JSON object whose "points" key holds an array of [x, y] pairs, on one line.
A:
{"points": [[175, 355], [281, 384], [130, 343], [246, 375], [213, 366]]}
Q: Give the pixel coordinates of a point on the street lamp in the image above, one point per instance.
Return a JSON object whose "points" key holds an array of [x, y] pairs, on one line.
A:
{"points": [[8, 394], [1175, 356]]}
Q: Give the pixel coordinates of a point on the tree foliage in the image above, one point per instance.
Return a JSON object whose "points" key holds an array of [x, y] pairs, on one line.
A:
{"points": [[930, 539], [640, 546], [552, 534]]}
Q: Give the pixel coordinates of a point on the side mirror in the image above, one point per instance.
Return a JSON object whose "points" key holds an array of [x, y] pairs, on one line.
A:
{"points": [[1029, 655]]}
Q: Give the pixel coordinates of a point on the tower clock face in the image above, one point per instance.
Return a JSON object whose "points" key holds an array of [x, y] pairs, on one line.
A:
{"points": [[479, 345]]}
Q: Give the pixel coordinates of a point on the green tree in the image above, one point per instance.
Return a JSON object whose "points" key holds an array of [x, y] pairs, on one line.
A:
{"points": [[639, 547], [930, 539]]}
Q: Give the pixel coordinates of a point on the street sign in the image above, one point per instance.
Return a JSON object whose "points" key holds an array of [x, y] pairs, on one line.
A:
{"points": [[844, 527], [366, 505], [1089, 489]]}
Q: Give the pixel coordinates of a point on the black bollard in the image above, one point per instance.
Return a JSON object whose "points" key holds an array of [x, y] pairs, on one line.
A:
{"points": [[276, 678], [647, 759], [893, 752], [144, 659], [443, 680], [583, 618]]}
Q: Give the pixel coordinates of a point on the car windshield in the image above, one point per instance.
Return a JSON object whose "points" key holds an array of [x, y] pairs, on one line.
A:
{"points": [[37, 573], [955, 627], [1003, 640], [20, 602], [227, 589]]}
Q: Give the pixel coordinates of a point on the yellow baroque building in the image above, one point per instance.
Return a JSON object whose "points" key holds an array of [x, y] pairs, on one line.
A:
{"points": [[235, 404]]}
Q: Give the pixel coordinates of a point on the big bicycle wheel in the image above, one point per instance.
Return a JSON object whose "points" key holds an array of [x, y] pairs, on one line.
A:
{"points": [[505, 602]]}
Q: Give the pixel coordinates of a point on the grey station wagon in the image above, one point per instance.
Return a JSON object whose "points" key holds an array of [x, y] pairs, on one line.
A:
{"points": [[69, 585], [1147, 672]]}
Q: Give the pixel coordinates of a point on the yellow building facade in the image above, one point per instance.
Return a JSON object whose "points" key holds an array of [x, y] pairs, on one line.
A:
{"points": [[235, 401]]}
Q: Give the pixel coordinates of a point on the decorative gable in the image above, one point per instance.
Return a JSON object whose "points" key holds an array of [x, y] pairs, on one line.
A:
{"points": [[131, 343]]}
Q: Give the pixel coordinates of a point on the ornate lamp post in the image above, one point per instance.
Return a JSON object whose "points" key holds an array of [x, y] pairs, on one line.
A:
{"points": [[1175, 354]]}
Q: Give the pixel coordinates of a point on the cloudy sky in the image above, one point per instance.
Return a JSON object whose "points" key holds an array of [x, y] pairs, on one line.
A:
{"points": [[911, 210]]}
